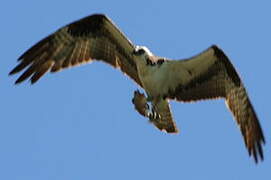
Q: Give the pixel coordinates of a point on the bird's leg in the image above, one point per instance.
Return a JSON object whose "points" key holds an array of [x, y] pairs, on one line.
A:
{"points": [[152, 113], [141, 105]]}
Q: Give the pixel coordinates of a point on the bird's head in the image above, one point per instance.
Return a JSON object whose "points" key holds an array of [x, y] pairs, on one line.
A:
{"points": [[143, 52]]}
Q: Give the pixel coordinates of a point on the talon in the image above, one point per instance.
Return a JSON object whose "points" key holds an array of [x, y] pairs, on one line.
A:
{"points": [[141, 105], [152, 114], [156, 115], [148, 113]]}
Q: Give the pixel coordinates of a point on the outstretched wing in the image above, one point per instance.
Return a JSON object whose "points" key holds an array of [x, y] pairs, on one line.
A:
{"points": [[93, 37], [211, 75]]}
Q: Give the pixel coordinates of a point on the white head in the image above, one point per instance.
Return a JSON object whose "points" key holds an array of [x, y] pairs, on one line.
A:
{"points": [[142, 51]]}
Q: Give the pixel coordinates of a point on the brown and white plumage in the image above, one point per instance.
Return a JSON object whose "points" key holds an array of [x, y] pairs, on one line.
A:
{"points": [[211, 75], [206, 76], [91, 38]]}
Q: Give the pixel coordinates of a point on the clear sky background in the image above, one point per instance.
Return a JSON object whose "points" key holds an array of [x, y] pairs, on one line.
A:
{"points": [[80, 123]]}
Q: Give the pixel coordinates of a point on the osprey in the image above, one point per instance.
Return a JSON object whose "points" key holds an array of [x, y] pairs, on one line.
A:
{"points": [[207, 75]]}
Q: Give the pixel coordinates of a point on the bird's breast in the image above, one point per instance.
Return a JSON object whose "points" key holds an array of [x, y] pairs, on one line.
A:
{"points": [[158, 80], [154, 80]]}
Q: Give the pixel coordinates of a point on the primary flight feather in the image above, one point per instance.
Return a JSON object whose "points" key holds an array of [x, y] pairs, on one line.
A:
{"points": [[205, 76]]}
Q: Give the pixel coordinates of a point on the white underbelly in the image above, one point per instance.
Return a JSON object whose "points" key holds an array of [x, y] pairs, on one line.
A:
{"points": [[158, 81]]}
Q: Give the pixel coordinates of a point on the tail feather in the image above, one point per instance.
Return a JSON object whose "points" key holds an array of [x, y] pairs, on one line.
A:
{"points": [[164, 121]]}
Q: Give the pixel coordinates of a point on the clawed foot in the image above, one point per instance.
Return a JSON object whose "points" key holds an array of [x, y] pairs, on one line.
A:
{"points": [[141, 105], [153, 115]]}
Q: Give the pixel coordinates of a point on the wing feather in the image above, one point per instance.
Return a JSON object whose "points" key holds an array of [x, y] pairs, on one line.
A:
{"points": [[211, 75], [92, 38]]}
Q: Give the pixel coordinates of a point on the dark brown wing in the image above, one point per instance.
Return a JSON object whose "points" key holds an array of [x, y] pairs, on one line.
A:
{"points": [[93, 37], [211, 75]]}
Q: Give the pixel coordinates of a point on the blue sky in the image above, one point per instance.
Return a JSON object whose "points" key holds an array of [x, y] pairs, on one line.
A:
{"points": [[80, 123]]}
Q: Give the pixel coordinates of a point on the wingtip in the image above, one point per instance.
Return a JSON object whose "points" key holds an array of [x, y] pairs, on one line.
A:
{"points": [[218, 52], [11, 73], [21, 57], [257, 153], [17, 82], [34, 80]]}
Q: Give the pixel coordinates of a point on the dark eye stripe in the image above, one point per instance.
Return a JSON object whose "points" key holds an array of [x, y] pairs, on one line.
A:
{"points": [[141, 51]]}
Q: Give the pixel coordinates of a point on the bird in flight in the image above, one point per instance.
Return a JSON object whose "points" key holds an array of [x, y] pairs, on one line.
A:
{"points": [[208, 75]]}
